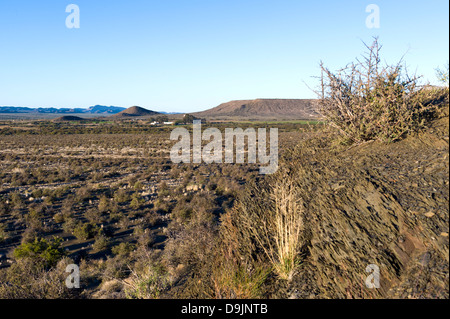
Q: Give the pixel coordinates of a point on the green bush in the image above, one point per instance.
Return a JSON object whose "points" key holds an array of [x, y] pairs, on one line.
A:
{"points": [[3, 235], [137, 201], [94, 215], [4, 208], [103, 204], [121, 196], [138, 186], [101, 243], [83, 194], [17, 200], [123, 249], [69, 225], [182, 211], [49, 252], [58, 218], [86, 231]]}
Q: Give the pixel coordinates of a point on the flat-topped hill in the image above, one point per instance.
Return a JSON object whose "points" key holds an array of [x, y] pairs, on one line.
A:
{"points": [[277, 109]]}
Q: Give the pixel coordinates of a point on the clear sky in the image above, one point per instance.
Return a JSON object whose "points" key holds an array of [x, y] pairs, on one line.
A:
{"points": [[191, 55]]}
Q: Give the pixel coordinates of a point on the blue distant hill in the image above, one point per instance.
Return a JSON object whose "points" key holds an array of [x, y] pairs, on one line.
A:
{"points": [[97, 109], [169, 113]]}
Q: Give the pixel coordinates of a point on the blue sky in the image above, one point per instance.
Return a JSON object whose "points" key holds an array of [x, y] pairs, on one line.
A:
{"points": [[185, 56]]}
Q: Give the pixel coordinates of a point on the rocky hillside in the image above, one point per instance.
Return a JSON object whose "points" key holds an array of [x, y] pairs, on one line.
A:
{"points": [[376, 203], [273, 109]]}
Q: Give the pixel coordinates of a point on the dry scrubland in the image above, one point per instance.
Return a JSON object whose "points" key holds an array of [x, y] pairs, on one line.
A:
{"points": [[142, 227], [372, 187], [106, 196]]}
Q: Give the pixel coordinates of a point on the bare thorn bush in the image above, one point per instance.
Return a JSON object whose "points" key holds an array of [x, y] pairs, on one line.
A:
{"points": [[369, 101]]}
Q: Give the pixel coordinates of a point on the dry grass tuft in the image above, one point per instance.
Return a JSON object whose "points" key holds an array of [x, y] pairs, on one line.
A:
{"points": [[269, 221]]}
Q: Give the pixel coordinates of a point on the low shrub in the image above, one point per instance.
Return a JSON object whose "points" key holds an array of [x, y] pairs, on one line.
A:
{"points": [[27, 279], [123, 249], [149, 282], [47, 252], [85, 231], [101, 243]]}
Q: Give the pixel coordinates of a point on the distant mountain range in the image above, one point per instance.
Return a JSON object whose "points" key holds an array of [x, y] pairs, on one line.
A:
{"points": [[259, 109], [97, 109]]}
